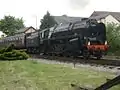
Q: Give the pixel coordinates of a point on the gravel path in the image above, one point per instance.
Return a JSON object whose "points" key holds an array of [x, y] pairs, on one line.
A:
{"points": [[112, 69]]}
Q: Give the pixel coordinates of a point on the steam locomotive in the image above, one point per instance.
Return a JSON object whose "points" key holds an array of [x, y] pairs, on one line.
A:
{"points": [[83, 38]]}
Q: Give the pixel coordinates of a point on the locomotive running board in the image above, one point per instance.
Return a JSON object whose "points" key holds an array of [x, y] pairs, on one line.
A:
{"points": [[105, 86]]}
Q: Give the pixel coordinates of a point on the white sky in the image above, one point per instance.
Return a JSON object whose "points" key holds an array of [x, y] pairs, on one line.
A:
{"points": [[29, 9]]}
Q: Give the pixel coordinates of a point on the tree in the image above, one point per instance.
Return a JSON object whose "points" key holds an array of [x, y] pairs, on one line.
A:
{"points": [[47, 21], [9, 25], [113, 37]]}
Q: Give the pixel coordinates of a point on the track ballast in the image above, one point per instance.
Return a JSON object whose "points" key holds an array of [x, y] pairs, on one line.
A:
{"points": [[92, 61]]}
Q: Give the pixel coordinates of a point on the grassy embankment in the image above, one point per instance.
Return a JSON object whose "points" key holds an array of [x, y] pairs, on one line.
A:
{"points": [[31, 75]]}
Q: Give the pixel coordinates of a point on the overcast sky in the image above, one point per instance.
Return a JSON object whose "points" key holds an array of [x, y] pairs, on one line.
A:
{"points": [[30, 9]]}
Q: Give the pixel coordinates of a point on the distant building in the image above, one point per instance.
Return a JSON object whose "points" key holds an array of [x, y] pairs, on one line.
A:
{"points": [[26, 30], [64, 19], [106, 17]]}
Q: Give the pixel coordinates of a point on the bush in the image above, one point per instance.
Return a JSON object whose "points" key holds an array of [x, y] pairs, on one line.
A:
{"points": [[11, 54], [10, 48], [2, 51], [21, 54], [113, 37]]}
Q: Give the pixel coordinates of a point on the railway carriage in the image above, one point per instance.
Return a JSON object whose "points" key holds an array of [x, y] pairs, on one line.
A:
{"points": [[18, 40]]}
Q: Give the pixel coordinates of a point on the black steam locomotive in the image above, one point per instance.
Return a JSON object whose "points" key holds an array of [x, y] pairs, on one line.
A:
{"points": [[84, 38]]}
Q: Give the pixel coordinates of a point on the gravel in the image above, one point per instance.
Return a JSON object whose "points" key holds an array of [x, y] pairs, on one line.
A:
{"points": [[104, 68]]}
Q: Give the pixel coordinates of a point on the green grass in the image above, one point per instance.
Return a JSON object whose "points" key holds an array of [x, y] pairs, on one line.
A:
{"points": [[30, 75]]}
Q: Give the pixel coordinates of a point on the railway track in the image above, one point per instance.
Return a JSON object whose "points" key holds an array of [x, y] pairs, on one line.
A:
{"points": [[92, 61]]}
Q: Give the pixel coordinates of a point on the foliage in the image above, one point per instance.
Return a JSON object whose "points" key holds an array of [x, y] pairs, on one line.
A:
{"points": [[7, 49], [10, 54], [47, 21], [10, 48], [9, 25], [113, 37]]}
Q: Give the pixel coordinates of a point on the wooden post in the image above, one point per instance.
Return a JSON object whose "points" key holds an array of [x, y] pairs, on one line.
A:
{"points": [[74, 61]]}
